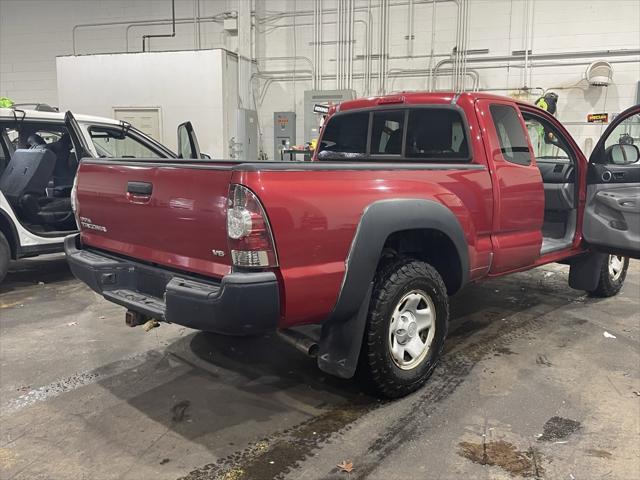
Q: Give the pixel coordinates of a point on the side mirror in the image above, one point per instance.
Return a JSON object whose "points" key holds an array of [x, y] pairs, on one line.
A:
{"points": [[187, 142], [622, 154]]}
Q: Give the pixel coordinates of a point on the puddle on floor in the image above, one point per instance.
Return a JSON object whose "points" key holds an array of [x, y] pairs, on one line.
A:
{"points": [[504, 455], [558, 428]]}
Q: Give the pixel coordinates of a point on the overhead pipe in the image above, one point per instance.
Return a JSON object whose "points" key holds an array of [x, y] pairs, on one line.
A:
{"points": [[196, 24], [465, 52], [285, 76], [367, 36], [399, 72], [410, 34], [316, 42], [433, 41], [159, 21], [179, 21], [321, 24], [278, 16], [163, 35], [351, 41], [540, 56], [531, 34], [368, 51], [219, 17], [338, 38], [526, 43]]}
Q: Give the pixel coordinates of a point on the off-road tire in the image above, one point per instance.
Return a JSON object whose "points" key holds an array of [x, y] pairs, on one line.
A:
{"points": [[5, 256], [377, 369], [607, 285]]}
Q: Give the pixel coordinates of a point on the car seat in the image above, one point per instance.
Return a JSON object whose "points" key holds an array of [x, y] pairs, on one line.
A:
{"points": [[23, 184], [65, 166], [394, 143], [34, 141]]}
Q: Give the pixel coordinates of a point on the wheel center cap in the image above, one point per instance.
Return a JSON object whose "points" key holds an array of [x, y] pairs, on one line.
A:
{"points": [[412, 329]]}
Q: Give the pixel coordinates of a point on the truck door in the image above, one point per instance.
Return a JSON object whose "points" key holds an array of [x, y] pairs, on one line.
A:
{"points": [[518, 191], [78, 139], [188, 142], [612, 212]]}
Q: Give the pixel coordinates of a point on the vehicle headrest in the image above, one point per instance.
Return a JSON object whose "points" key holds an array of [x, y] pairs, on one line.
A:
{"points": [[35, 140], [63, 145]]}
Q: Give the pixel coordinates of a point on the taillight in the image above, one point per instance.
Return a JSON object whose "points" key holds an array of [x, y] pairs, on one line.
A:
{"points": [[248, 230], [74, 200]]}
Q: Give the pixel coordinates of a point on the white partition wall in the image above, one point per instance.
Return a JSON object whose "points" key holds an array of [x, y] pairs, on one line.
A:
{"points": [[199, 86]]}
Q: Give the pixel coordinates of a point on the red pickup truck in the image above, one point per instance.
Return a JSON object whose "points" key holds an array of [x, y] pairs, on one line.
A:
{"points": [[408, 198]]}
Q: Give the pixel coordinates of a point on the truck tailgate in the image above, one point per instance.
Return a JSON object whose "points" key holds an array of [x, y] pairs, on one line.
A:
{"points": [[172, 215]]}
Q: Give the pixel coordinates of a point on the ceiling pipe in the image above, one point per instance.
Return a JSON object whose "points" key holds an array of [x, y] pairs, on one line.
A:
{"points": [[179, 21], [543, 56], [368, 66], [285, 76], [163, 35], [278, 16], [433, 40]]}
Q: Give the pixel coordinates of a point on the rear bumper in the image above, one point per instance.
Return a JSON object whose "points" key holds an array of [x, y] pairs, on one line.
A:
{"points": [[240, 304]]}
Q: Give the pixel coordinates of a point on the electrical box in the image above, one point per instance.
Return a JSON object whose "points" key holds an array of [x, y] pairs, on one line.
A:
{"points": [[230, 25], [320, 97], [246, 146], [284, 133]]}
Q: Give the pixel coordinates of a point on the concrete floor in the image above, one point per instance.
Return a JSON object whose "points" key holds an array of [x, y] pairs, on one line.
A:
{"points": [[529, 386]]}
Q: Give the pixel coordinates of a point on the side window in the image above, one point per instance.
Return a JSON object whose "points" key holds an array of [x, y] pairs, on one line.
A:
{"points": [[436, 134], [547, 142], [386, 132], [626, 133], [513, 143], [344, 133], [114, 143]]}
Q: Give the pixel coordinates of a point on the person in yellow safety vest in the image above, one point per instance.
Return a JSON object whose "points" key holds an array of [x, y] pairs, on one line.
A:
{"points": [[548, 102]]}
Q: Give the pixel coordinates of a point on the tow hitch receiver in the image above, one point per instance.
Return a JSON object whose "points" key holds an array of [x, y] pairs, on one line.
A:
{"points": [[134, 319]]}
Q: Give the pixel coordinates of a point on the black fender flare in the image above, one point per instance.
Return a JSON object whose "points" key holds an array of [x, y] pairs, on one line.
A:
{"points": [[342, 332]]}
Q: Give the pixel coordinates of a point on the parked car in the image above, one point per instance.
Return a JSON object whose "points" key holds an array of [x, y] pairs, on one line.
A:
{"points": [[409, 198], [38, 162]]}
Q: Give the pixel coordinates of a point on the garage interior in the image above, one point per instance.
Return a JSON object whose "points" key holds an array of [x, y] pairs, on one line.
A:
{"points": [[537, 380]]}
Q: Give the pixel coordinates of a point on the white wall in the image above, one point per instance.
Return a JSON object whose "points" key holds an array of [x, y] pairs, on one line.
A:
{"points": [[186, 85], [28, 47]]}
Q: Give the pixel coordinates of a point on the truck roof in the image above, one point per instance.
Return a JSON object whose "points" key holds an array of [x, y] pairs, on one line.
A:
{"points": [[8, 113], [417, 98]]}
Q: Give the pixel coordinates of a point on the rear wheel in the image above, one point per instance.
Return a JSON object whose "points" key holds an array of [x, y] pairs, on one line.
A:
{"points": [[5, 256], [612, 275], [406, 328]]}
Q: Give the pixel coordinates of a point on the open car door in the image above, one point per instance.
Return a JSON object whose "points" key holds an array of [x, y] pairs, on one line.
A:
{"points": [[612, 212], [188, 142], [77, 138]]}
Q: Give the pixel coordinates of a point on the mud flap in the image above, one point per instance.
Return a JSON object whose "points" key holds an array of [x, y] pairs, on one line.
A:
{"points": [[585, 271], [341, 341]]}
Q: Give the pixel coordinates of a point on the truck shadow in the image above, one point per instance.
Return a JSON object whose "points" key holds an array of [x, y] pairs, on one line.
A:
{"points": [[250, 387], [203, 384]]}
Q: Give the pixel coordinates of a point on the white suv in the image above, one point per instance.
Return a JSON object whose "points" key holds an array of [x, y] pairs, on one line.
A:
{"points": [[39, 153]]}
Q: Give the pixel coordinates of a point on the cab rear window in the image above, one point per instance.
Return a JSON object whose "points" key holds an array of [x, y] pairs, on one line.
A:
{"points": [[346, 133], [427, 134]]}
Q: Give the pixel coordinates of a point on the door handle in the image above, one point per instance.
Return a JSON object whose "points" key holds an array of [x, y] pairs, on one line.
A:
{"points": [[139, 192], [140, 188]]}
